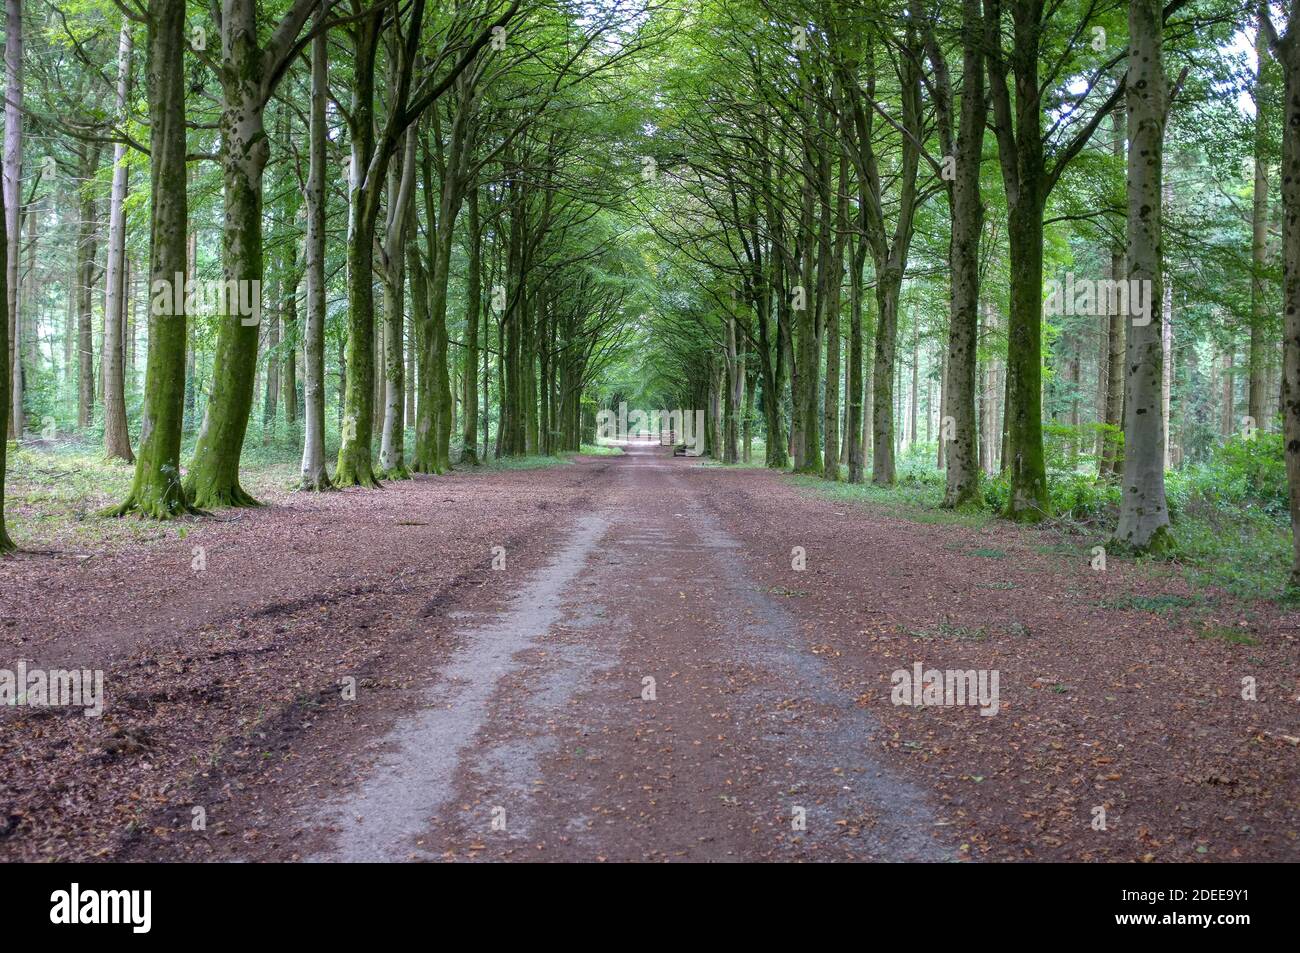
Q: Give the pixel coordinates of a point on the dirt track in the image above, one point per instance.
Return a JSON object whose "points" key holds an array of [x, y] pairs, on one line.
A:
{"points": [[506, 713]]}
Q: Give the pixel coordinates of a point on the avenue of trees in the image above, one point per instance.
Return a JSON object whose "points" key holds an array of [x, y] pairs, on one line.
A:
{"points": [[1031, 240], [1040, 238]]}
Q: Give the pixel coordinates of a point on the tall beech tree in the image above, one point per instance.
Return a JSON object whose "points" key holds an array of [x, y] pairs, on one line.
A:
{"points": [[249, 73], [1286, 49], [473, 310], [889, 246], [6, 544], [963, 150], [1144, 514], [372, 152], [87, 250], [157, 490], [1259, 229], [1110, 457], [13, 173], [314, 475], [117, 439], [392, 267], [1030, 171]]}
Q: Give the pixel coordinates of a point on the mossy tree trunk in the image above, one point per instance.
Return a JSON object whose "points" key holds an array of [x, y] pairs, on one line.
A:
{"points": [[371, 154], [1029, 180], [157, 491], [1025, 461], [1020, 150], [249, 74], [355, 467]]}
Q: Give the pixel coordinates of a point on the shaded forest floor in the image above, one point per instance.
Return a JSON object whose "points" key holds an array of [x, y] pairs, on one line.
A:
{"points": [[518, 695]]}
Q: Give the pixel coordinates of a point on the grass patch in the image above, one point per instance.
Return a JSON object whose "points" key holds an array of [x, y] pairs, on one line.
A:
{"points": [[1248, 556], [539, 461], [917, 502], [757, 458], [1227, 635], [952, 632], [1160, 604], [531, 462], [755, 463]]}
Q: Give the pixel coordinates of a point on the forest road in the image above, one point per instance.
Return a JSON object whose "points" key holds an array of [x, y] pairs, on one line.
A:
{"points": [[672, 660], [638, 697]]}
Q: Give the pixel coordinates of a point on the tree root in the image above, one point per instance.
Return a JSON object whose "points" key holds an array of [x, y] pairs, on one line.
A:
{"points": [[223, 497], [321, 484], [158, 509], [364, 480], [1161, 545]]}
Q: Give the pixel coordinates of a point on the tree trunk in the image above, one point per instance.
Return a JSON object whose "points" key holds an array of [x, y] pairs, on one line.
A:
{"points": [[832, 289], [747, 435], [1024, 425], [914, 402], [958, 433], [1109, 463], [157, 490], [13, 171], [1289, 55], [6, 544], [392, 461], [313, 471], [117, 439], [1144, 516], [1227, 418], [855, 384], [289, 336], [271, 399], [355, 467], [1259, 243], [86, 251], [1028, 181], [473, 306], [401, 188], [731, 396], [213, 478], [29, 308], [888, 284], [1166, 340], [248, 76], [70, 298]]}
